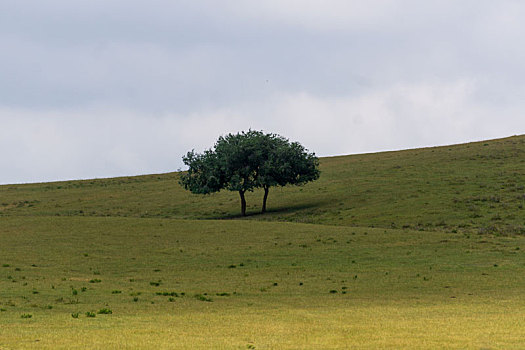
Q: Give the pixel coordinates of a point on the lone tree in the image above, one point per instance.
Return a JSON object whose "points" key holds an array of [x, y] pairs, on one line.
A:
{"points": [[244, 161]]}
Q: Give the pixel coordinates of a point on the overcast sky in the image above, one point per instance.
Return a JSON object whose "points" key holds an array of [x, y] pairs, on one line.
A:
{"points": [[102, 88]]}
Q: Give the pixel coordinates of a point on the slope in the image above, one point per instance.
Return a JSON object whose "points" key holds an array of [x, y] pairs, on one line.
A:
{"points": [[474, 187]]}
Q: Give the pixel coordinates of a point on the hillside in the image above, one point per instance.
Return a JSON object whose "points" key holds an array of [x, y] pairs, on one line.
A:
{"points": [[396, 250], [474, 187]]}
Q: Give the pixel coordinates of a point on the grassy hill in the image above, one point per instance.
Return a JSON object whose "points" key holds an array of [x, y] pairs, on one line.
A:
{"points": [[412, 249], [471, 187]]}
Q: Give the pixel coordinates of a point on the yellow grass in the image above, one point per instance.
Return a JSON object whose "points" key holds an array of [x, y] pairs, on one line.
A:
{"points": [[414, 324]]}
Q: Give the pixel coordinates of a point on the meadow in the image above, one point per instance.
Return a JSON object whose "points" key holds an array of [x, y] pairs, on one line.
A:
{"points": [[468, 187], [411, 249]]}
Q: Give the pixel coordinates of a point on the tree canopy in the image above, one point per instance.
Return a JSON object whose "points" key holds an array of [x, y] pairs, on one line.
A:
{"points": [[248, 160]]}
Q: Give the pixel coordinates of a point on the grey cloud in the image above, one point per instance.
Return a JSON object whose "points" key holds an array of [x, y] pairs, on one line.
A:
{"points": [[344, 76]]}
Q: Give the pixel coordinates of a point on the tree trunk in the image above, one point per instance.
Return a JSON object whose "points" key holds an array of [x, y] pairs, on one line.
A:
{"points": [[243, 203], [266, 189]]}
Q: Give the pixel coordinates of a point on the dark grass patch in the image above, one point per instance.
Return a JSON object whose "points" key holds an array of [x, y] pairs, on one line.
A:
{"points": [[202, 297], [166, 294]]}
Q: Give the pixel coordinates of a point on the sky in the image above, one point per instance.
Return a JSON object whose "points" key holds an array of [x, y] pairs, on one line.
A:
{"points": [[104, 88]]}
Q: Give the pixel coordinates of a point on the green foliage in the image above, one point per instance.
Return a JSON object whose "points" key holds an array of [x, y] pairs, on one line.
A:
{"points": [[105, 311], [248, 160]]}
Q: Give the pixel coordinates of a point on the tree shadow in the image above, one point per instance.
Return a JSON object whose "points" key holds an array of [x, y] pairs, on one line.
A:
{"points": [[289, 209]]}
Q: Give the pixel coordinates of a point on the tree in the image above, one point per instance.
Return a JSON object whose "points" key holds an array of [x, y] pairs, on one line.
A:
{"points": [[248, 160]]}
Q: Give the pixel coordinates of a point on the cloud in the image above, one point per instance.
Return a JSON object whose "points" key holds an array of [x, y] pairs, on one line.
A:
{"points": [[102, 142], [110, 142], [104, 88], [399, 116]]}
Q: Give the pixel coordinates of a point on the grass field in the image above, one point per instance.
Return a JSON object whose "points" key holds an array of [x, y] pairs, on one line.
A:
{"points": [[355, 260], [470, 187]]}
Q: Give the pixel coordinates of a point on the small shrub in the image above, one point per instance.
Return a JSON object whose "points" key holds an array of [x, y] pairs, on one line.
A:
{"points": [[333, 291], [155, 284], [6, 265], [26, 316], [116, 292], [74, 292], [135, 299], [95, 280], [90, 314], [74, 315], [104, 311]]}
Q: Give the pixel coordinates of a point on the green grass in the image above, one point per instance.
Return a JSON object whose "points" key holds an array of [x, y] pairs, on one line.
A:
{"points": [[471, 187], [391, 285], [412, 249]]}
